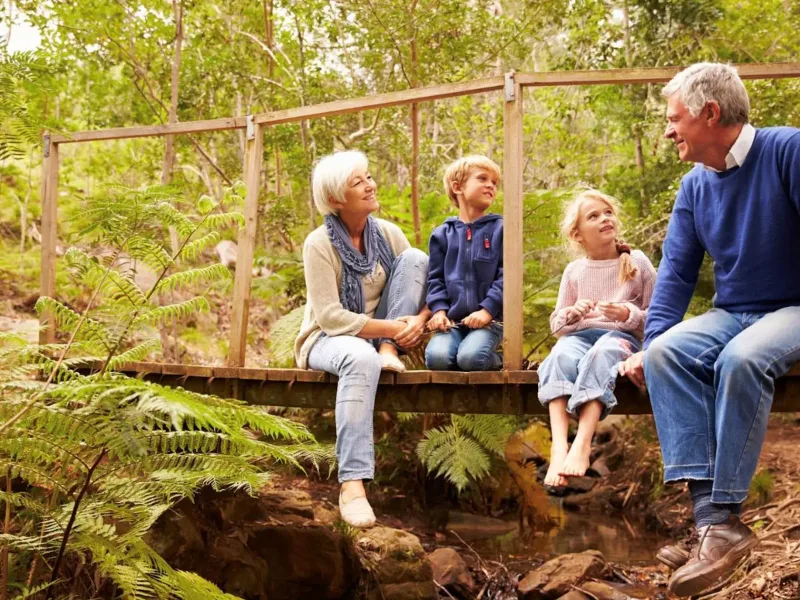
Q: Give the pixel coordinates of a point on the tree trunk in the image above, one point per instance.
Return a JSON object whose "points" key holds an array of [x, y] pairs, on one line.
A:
{"points": [[169, 149]]}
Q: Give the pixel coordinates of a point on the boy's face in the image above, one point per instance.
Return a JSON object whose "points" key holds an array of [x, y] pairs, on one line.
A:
{"points": [[479, 190]]}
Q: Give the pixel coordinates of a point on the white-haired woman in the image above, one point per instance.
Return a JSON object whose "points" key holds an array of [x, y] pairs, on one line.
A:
{"points": [[366, 299]]}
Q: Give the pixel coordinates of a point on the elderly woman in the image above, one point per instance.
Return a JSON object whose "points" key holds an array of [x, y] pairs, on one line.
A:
{"points": [[366, 299]]}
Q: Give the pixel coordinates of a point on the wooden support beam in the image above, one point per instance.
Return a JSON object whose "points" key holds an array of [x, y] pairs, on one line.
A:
{"points": [[512, 224], [120, 133], [247, 242], [47, 278], [647, 75]]}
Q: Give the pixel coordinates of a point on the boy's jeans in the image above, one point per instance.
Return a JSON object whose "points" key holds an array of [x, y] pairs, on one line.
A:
{"points": [[583, 366], [711, 381], [356, 362], [465, 349]]}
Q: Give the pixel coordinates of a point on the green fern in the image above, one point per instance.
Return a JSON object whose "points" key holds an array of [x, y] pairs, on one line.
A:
{"points": [[104, 455]]}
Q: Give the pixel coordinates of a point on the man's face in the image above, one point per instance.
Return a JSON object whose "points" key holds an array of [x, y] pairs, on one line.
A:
{"points": [[692, 135]]}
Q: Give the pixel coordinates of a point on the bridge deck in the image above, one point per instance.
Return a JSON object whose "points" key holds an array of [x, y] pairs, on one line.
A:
{"points": [[496, 392]]}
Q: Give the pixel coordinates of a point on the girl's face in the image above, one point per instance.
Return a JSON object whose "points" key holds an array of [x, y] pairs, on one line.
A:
{"points": [[359, 195], [597, 224]]}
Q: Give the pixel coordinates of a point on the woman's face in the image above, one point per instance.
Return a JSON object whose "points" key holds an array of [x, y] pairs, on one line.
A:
{"points": [[359, 195]]}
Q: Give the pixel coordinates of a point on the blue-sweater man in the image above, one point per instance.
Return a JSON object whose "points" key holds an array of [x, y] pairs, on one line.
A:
{"points": [[465, 273], [712, 378]]}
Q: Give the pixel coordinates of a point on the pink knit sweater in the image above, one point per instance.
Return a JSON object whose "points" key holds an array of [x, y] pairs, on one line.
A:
{"points": [[598, 280]]}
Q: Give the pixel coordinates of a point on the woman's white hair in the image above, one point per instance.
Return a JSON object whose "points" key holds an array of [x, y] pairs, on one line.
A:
{"points": [[702, 82], [331, 175]]}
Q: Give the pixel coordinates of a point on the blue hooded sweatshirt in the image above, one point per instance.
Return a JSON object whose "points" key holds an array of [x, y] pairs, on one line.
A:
{"points": [[465, 271]]}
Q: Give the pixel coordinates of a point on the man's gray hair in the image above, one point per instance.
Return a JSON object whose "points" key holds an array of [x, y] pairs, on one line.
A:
{"points": [[702, 82], [331, 176]]}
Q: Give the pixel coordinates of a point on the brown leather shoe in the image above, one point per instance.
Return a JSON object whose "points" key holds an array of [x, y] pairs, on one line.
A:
{"points": [[718, 552], [677, 555]]}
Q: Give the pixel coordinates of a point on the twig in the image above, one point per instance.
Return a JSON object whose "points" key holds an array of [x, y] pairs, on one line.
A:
{"points": [[478, 556], [444, 589]]}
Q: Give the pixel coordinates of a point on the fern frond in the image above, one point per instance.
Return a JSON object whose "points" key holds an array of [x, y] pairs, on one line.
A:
{"points": [[193, 277], [163, 315], [194, 248]]}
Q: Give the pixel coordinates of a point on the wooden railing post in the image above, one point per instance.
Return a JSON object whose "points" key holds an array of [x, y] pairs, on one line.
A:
{"points": [[512, 224], [47, 278], [247, 243]]}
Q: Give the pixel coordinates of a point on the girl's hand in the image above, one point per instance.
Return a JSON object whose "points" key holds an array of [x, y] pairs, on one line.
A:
{"points": [[440, 322], [614, 312], [579, 310], [411, 335], [477, 320]]}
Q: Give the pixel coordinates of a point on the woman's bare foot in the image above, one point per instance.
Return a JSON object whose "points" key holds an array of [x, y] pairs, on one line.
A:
{"points": [[558, 454], [577, 460], [390, 361]]}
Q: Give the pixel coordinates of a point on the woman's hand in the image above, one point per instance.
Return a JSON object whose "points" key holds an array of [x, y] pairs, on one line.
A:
{"points": [[440, 322], [411, 335], [614, 312], [477, 320], [579, 310]]}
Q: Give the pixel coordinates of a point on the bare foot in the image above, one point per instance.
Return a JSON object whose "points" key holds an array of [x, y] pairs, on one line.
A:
{"points": [[577, 460], [558, 453]]}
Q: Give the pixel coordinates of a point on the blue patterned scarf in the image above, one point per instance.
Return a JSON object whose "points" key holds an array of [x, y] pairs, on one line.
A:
{"points": [[354, 264]]}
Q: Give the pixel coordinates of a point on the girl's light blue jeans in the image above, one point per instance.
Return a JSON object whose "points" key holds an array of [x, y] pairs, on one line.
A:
{"points": [[711, 381], [465, 349], [357, 364], [583, 366]]}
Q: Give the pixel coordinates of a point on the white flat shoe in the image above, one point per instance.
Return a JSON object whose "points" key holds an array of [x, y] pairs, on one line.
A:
{"points": [[357, 512], [390, 362]]}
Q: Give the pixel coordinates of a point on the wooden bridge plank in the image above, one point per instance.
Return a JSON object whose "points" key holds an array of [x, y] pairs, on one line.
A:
{"points": [[450, 377], [487, 377], [413, 378], [523, 377], [254, 374]]}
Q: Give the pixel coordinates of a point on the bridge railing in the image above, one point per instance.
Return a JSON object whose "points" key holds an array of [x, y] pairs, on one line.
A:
{"points": [[512, 86]]}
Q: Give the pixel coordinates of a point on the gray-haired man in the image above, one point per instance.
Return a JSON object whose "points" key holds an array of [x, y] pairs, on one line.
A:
{"points": [[711, 378]]}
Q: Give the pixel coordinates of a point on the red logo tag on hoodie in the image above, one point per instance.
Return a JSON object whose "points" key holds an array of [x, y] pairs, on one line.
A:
{"points": [[486, 243], [469, 234]]}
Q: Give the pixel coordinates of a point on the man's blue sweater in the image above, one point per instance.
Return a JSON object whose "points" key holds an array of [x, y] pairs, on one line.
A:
{"points": [[465, 271], [748, 220]]}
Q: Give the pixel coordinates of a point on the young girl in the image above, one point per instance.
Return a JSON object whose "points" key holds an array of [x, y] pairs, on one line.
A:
{"points": [[599, 318]]}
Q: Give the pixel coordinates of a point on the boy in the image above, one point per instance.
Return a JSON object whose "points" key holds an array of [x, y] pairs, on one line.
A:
{"points": [[465, 273]]}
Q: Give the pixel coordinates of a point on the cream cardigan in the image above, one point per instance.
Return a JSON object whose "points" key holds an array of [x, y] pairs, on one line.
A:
{"points": [[323, 271]]}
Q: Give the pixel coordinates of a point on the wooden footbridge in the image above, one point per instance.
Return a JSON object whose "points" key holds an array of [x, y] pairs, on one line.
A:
{"points": [[511, 390]]}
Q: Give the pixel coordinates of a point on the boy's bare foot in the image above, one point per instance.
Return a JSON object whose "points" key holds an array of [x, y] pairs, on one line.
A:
{"points": [[558, 453], [577, 460]]}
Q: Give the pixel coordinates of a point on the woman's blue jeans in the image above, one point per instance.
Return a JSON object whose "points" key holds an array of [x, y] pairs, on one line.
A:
{"points": [[583, 367], [357, 364], [465, 349], [711, 381]]}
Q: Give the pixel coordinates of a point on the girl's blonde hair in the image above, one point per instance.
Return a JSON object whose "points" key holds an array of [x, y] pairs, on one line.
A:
{"points": [[569, 229]]}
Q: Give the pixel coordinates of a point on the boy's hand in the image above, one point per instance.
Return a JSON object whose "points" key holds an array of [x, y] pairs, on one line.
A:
{"points": [[614, 312], [440, 322], [477, 320], [579, 310]]}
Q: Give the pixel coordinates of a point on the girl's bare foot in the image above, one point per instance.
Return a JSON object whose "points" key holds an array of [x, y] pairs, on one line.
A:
{"points": [[577, 460], [390, 361], [558, 453]]}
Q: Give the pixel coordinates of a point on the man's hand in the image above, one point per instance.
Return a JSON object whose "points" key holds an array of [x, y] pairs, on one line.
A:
{"points": [[411, 335], [477, 320], [633, 369], [440, 322], [579, 310], [614, 311]]}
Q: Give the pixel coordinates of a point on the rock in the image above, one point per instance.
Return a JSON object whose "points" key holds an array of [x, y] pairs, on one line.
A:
{"points": [[473, 527], [258, 547], [396, 566], [580, 485], [226, 251], [325, 515], [556, 577], [757, 585], [601, 590], [575, 595], [450, 571], [599, 468]]}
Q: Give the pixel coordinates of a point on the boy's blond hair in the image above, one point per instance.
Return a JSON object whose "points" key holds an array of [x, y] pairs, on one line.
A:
{"points": [[460, 170], [569, 229]]}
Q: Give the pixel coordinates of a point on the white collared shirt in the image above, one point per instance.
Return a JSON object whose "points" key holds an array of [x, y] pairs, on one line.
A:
{"points": [[739, 150]]}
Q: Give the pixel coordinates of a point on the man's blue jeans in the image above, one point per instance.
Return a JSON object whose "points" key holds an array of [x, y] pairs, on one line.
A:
{"points": [[711, 381]]}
